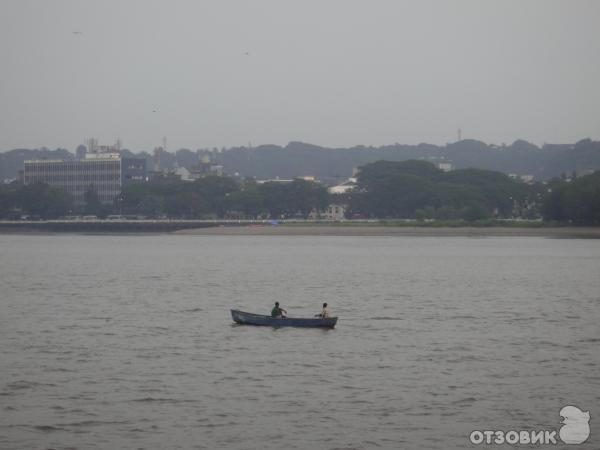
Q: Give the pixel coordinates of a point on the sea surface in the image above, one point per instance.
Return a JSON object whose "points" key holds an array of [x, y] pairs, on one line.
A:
{"points": [[126, 341]]}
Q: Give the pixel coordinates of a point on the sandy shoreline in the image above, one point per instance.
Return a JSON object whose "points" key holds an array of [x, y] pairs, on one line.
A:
{"points": [[565, 232]]}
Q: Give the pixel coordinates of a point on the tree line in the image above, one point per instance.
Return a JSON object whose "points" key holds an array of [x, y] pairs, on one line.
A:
{"points": [[417, 189], [405, 190], [576, 201], [210, 197]]}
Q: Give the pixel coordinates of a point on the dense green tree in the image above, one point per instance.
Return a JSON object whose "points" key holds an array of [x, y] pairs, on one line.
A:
{"points": [[273, 199], [151, 206], [187, 205], [475, 212], [247, 202], [43, 201], [303, 196], [93, 206], [577, 201], [295, 199], [7, 201], [214, 190], [202, 198], [400, 189]]}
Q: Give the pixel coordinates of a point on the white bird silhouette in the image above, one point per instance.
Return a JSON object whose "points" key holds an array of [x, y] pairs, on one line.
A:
{"points": [[576, 428]]}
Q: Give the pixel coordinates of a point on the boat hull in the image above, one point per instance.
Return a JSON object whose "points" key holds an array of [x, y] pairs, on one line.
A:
{"points": [[245, 318]]}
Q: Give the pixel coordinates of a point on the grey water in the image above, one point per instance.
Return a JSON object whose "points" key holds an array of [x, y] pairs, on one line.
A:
{"points": [[126, 341]]}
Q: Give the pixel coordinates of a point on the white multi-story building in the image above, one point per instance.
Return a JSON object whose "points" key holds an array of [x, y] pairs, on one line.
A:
{"points": [[106, 173]]}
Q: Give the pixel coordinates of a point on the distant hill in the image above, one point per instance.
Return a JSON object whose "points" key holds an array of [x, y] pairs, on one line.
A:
{"points": [[11, 162], [583, 157], [331, 164], [521, 158]]}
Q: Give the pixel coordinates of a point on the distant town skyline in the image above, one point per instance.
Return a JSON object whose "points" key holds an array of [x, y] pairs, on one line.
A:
{"points": [[334, 74]]}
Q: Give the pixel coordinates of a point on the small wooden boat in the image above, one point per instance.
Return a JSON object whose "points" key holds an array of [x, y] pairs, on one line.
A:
{"points": [[305, 322]]}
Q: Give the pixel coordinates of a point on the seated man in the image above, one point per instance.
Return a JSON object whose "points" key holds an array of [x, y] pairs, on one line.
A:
{"points": [[324, 312], [278, 312]]}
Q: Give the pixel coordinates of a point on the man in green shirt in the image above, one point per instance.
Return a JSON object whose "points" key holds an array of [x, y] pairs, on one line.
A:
{"points": [[278, 312]]}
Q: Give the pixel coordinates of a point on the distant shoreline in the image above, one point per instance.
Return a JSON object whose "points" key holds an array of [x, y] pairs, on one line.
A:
{"points": [[348, 230], [264, 228]]}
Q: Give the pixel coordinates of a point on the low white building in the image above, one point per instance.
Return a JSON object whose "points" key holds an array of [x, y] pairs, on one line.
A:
{"points": [[333, 212], [445, 166], [346, 186], [283, 181], [274, 180], [529, 179], [184, 174]]}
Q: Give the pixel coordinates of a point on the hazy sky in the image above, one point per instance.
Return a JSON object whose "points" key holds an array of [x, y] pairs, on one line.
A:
{"points": [[333, 73]]}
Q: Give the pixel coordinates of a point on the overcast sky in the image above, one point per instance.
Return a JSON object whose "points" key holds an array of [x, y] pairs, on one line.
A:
{"points": [[333, 73]]}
